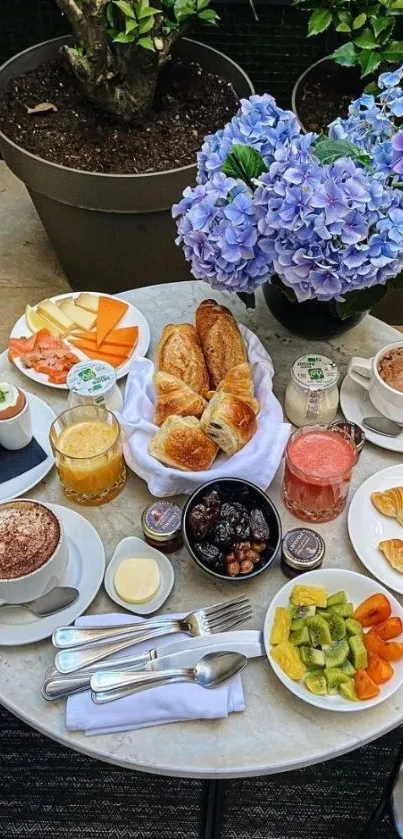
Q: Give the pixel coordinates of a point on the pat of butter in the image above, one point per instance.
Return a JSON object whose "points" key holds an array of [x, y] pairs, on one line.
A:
{"points": [[137, 579]]}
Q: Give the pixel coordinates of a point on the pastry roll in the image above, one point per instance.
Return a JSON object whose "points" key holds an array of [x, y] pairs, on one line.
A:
{"points": [[179, 353], [393, 550], [220, 338], [239, 382], [180, 443], [229, 421], [390, 503], [175, 397]]}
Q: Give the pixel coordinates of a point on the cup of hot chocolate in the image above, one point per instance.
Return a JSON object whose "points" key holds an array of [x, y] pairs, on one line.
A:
{"points": [[33, 550], [15, 417], [382, 377]]}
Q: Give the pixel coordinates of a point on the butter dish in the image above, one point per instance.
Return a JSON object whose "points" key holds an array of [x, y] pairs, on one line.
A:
{"points": [[132, 546]]}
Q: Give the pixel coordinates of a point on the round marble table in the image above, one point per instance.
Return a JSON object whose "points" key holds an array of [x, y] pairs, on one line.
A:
{"points": [[277, 732]]}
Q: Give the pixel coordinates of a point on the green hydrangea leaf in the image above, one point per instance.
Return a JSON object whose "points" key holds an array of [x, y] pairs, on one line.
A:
{"points": [[359, 20], [366, 40], [345, 55], [368, 61], [359, 301], [327, 151], [125, 7], [244, 163], [319, 20]]}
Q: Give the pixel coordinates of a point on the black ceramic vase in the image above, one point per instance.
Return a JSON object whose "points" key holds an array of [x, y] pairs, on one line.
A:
{"points": [[311, 319]]}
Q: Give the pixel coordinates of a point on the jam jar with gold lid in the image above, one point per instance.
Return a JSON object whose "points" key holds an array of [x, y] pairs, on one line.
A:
{"points": [[161, 522]]}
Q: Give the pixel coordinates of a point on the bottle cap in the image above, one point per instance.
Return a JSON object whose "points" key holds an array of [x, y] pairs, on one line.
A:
{"points": [[315, 372], [303, 549], [91, 378]]}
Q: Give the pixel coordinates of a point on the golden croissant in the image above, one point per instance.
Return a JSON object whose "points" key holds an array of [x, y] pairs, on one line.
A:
{"points": [[390, 503], [239, 383], [393, 550], [174, 397]]}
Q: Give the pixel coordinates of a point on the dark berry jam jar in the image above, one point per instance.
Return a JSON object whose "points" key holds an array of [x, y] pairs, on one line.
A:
{"points": [[303, 550], [161, 522]]}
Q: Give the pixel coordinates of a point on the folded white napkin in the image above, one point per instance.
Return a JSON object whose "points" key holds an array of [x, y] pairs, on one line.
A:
{"points": [[258, 461], [157, 706]]}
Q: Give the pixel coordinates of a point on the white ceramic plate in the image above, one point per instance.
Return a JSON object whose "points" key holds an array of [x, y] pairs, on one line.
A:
{"points": [[367, 527], [356, 404], [133, 317], [18, 626], [129, 547], [42, 417], [357, 588]]}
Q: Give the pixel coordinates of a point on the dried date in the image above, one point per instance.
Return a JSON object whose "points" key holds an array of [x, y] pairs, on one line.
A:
{"points": [[199, 521], [212, 556], [224, 535], [213, 505], [258, 526]]}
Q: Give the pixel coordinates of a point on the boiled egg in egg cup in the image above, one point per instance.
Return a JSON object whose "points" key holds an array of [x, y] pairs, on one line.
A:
{"points": [[139, 578]]}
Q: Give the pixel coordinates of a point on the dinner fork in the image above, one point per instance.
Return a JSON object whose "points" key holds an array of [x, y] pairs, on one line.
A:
{"points": [[94, 647]]}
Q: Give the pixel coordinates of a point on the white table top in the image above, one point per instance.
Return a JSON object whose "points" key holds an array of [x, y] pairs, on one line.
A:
{"points": [[277, 732]]}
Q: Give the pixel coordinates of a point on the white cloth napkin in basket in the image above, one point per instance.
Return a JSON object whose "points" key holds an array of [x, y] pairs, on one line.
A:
{"points": [[258, 461], [157, 706]]}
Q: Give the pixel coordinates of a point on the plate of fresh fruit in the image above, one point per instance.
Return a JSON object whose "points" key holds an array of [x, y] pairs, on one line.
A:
{"points": [[57, 333], [334, 639]]}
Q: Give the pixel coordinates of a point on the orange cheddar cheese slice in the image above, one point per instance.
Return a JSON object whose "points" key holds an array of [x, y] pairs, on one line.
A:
{"points": [[110, 313], [125, 336]]}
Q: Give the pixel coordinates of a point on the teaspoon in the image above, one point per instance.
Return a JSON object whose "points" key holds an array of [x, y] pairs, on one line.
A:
{"points": [[53, 601], [382, 425]]}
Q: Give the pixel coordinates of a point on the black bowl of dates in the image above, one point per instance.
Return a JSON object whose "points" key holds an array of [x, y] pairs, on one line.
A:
{"points": [[231, 529]]}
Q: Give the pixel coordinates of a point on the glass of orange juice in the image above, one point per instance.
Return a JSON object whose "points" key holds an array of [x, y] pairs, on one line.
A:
{"points": [[87, 446]]}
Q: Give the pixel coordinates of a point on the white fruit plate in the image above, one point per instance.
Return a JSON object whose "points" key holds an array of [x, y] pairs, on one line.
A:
{"points": [[132, 317], [357, 588]]}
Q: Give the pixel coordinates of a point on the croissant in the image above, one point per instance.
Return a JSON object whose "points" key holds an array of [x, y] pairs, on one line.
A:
{"points": [[229, 421], [393, 550], [390, 503], [220, 338], [175, 397], [180, 354], [238, 381], [181, 443]]}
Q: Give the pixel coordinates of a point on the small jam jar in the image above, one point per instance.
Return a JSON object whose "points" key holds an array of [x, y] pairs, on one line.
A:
{"points": [[303, 550], [161, 522], [312, 394]]}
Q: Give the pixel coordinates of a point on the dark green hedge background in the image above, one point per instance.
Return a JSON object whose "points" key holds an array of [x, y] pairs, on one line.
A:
{"points": [[273, 51]]}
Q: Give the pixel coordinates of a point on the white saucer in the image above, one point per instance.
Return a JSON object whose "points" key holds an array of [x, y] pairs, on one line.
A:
{"points": [[132, 546], [18, 626], [356, 404], [42, 418], [367, 527]]}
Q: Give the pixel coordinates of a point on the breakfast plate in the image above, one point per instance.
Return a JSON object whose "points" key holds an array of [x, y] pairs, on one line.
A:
{"points": [[18, 626], [134, 547], [367, 527], [357, 588], [356, 404], [132, 317], [42, 417]]}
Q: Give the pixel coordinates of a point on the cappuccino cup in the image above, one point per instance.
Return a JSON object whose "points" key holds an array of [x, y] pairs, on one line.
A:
{"points": [[382, 376]]}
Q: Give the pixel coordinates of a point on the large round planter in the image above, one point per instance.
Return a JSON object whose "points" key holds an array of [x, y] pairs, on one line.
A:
{"points": [[110, 232], [342, 79], [311, 319]]}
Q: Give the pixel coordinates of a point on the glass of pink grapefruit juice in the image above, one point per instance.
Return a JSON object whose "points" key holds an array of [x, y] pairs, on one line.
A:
{"points": [[319, 460]]}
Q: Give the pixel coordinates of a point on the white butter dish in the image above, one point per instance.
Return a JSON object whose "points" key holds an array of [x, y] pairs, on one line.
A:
{"points": [[132, 546]]}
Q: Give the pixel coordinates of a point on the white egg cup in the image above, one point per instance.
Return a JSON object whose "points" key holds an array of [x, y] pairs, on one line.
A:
{"points": [[132, 546]]}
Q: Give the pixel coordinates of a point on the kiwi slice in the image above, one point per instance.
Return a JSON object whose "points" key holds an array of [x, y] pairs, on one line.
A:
{"points": [[316, 683], [337, 654], [348, 668], [302, 611], [334, 678], [336, 599], [324, 614], [297, 623], [300, 637], [312, 658], [337, 627], [353, 627], [359, 655], [344, 609], [319, 631], [347, 690]]}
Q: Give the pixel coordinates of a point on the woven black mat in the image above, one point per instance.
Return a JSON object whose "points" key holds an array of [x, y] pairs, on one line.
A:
{"points": [[50, 792]]}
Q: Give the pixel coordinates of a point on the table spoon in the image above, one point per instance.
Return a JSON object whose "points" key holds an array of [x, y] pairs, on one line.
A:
{"points": [[382, 425], [211, 671], [53, 601]]}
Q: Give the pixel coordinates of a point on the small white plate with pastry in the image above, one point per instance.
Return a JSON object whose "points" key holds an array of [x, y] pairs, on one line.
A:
{"points": [[375, 525], [206, 409]]}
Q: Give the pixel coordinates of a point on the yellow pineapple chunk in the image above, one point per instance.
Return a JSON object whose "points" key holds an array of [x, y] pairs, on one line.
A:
{"points": [[309, 596], [281, 626], [287, 657]]}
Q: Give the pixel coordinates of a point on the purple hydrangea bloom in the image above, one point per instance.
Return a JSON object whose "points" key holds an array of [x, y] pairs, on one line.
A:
{"points": [[397, 153]]}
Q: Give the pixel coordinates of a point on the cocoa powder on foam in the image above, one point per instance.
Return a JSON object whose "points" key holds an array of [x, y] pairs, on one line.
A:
{"points": [[29, 535]]}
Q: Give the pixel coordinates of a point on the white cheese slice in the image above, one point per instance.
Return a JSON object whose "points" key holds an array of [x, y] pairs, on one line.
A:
{"points": [[137, 579], [81, 318], [90, 302]]}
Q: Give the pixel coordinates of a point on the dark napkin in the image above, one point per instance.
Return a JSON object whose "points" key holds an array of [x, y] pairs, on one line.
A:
{"points": [[14, 463]]}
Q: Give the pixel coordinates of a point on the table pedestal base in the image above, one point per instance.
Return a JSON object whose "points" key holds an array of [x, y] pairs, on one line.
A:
{"points": [[214, 807]]}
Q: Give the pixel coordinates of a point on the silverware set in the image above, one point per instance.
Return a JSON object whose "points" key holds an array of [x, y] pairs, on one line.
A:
{"points": [[83, 658]]}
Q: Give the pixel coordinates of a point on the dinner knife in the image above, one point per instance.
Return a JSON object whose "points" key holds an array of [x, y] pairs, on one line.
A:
{"points": [[184, 653]]}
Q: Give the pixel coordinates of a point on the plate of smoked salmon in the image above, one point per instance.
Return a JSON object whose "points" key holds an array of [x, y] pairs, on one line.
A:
{"points": [[58, 332]]}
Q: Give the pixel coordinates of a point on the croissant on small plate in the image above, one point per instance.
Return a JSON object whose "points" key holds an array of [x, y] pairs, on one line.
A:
{"points": [[393, 551], [390, 503]]}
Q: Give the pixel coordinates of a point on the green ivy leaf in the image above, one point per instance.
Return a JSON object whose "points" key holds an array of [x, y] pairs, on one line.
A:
{"points": [[244, 163], [368, 61], [343, 27], [345, 55], [359, 301], [378, 24], [146, 25], [359, 20], [366, 40], [124, 38], [125, 7], [131, 25], [147, 44], [319, 20], [393, 53], [208, 15], [327, 151], [247, 297]]}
